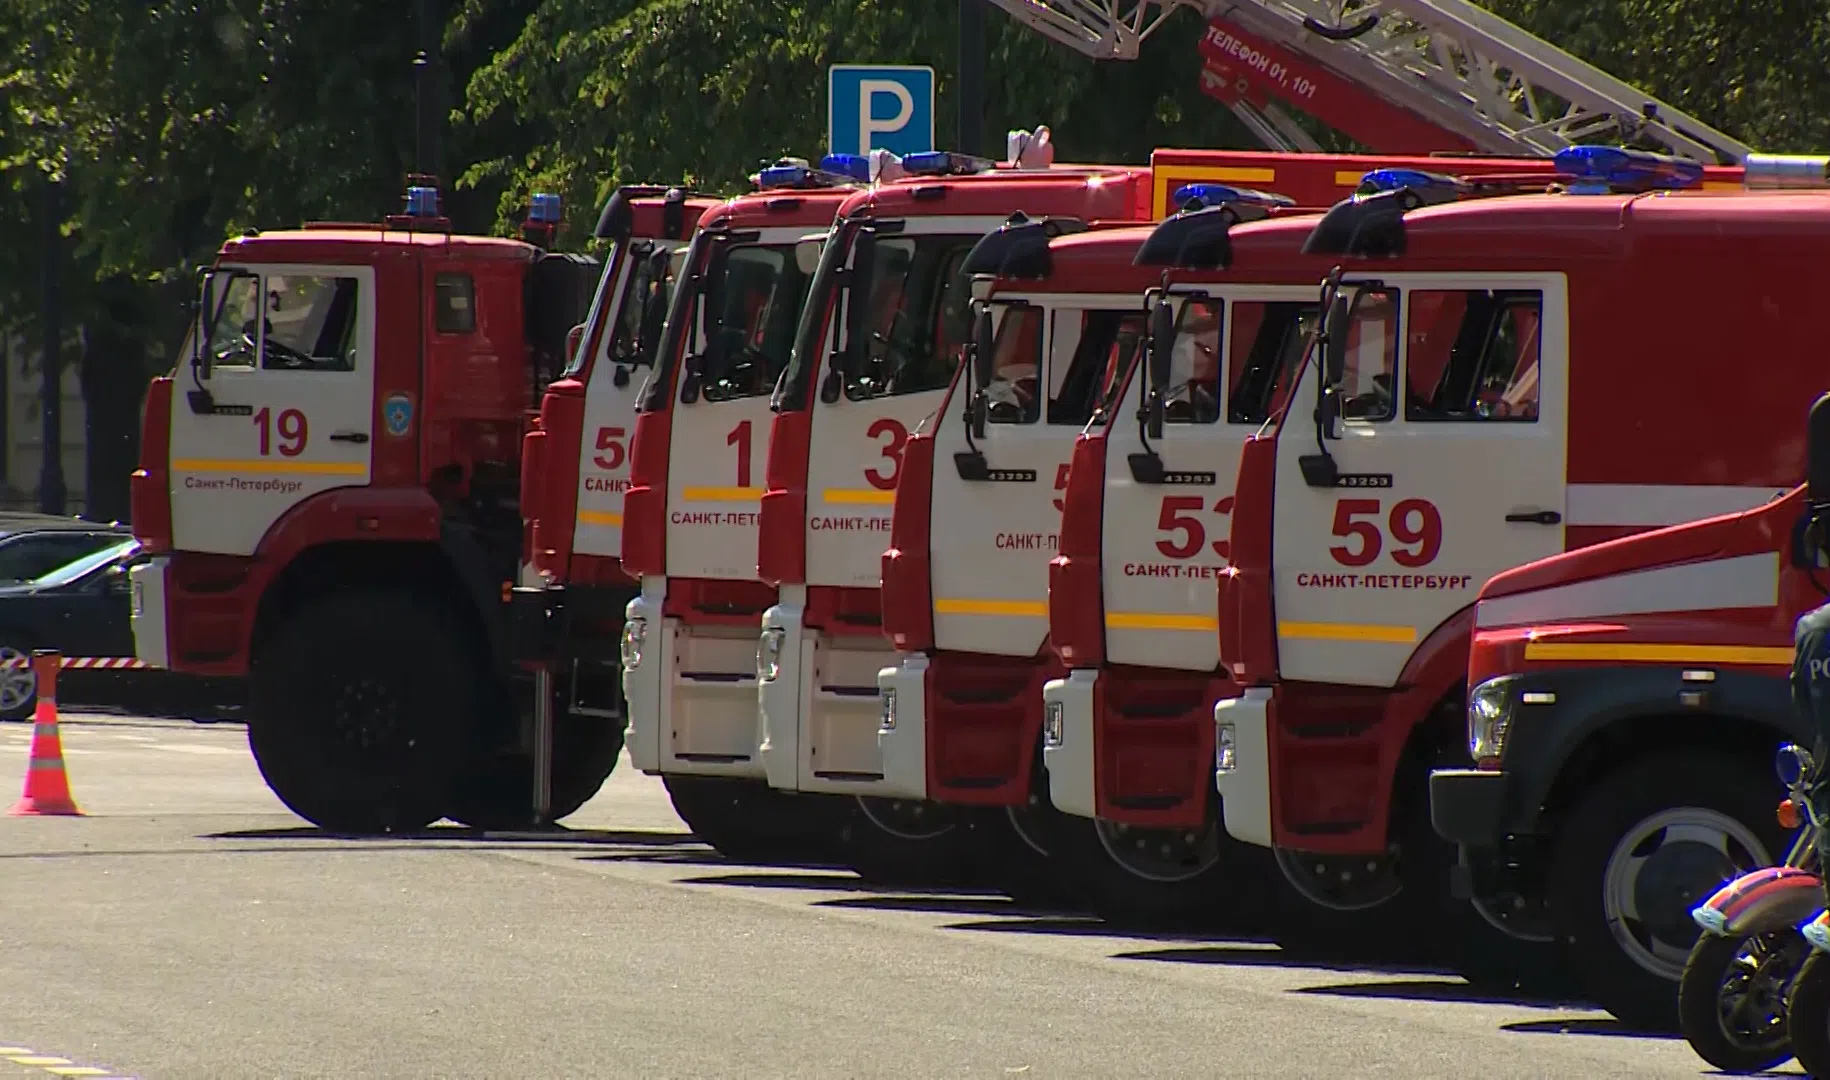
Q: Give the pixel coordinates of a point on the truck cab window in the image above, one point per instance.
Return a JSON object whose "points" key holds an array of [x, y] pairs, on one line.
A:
{"points": [[644, 310], [1264, 351], [1088, 356], [454, 299], [1472, 355], [1372, 358], [751, 322], [1193, 394], [235, 331], [917, 317], [1016, 366], [310, 323]]}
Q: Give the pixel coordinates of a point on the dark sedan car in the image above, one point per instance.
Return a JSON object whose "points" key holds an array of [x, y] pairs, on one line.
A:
{"points": [[83, 610], [35, 544]]}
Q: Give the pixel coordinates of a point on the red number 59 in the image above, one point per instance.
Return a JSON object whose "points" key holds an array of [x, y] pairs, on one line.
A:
{"points": [[1414, 524]]}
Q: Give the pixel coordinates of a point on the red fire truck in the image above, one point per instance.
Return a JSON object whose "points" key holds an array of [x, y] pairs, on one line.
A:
{"points": [[1627, 698], [688, 649], [1128, 723], [1465, 419], [329, 495]]}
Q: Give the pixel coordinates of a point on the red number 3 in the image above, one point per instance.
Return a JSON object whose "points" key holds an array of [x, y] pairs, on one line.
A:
{"points": [[899, 437], [1415, 524]]}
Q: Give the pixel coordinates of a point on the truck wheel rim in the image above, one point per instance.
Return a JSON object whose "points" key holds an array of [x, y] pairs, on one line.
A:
{"points": [[17, 684], [366, 718], [1341, 882], [1751, 996], [908, 819], [1166, 856], [1661, 869]]}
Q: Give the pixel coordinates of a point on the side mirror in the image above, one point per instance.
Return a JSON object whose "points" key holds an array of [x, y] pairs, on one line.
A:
{"points": [[115, 579], [1334, 352], [984, 347], [1162, 343], [1328, 412], [1817, 452]]}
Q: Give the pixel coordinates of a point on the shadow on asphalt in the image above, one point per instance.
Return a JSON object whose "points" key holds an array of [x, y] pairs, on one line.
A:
{"points": [[586, 838], [1457, 991], [1607, 1026], [1092, 926]]}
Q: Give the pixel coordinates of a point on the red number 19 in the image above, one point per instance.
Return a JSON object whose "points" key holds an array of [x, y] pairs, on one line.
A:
{"points": [[291, 429]]}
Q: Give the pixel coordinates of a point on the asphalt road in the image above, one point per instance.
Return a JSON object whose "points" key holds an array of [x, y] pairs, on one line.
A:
{"points": [[189, 928]]}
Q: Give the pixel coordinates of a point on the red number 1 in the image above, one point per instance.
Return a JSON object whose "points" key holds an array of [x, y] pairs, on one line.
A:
{"points": [[740, 438]]}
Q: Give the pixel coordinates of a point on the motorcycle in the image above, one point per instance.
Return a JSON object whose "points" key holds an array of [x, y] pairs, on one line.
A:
{"points": [[1745, 967]]}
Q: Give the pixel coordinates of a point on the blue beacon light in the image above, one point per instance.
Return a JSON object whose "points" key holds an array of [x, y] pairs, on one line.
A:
{"points": [[1210, 195], [544, 209], [422, 202], [1416, 179], [782, 176], [942, 162], [852, 166], [1598, 170]]}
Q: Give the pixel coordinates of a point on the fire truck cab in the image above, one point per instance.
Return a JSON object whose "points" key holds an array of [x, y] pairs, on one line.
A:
{"points": [[1627, 697], [1465, 417], [1128, 728], [688, 649], [329, 489], [879, 347]]}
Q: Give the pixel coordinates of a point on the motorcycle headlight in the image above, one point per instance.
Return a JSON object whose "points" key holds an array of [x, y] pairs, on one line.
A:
{"points": [[887, 697], [1489, 716], [635, 634], [769, 652]]}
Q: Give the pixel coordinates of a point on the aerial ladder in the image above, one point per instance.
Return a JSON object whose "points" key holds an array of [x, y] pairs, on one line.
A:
{"points": [[1391, 74]]}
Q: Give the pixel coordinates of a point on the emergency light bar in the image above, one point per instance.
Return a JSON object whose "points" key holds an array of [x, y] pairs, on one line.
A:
{"points": [[835, 170], [1207, 196], [543, 209], [422, 202], [1762, 172], [945, 163], [1599, 170]]}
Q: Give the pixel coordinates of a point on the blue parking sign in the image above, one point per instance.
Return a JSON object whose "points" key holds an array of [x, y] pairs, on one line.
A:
{"points": [[879, 107]]}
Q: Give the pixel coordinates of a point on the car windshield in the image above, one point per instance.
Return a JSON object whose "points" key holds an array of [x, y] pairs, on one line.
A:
{"points": [[88, 564]]}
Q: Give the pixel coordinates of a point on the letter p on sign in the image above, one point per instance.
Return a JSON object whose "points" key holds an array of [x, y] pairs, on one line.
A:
{"points": [[879, 107]]}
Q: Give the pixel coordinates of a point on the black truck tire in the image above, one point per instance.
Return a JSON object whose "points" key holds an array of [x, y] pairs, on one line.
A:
{"points": [[361, 706], [1205, 881], [904, 844], [1649, 809], [497, 791], [747, 821], [1808, 1015]]}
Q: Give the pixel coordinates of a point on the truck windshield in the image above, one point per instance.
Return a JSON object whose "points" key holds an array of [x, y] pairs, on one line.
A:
{"points": [[754, 301], [915, 316], [642, 310]]}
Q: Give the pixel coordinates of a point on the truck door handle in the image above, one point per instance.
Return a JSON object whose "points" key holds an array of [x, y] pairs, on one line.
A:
{"points": [[350, 436], [1536, 517]]}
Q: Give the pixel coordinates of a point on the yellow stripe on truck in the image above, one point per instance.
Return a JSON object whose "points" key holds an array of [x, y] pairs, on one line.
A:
{"points": [[858, 497], [1637, 653], [1151, 620], [721, 494], [600, 517], [291, 468], [1371, 632], [1033, 609]]}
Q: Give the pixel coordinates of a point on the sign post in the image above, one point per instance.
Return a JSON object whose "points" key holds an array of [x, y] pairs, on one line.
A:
{"points": [[879, 107]]}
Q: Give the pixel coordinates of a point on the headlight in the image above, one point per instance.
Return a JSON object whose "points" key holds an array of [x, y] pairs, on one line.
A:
{"points": [[1054, 723], [887, 697], [769, 653], [1226, 757], [635, 633], [137, 589], [1489, 715]]}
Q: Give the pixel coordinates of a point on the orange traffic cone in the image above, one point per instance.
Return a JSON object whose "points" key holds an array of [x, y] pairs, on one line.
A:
{"points": [[47, 786]]}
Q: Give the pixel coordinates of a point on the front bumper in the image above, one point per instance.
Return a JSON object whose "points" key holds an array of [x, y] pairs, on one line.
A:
{"points": [[147, 582], [902, 734], [1467, 805], [1245, 789], [1068, 749], [692, 703]]}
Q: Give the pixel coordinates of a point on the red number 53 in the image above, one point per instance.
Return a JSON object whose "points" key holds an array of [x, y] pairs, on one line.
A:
{"points": [[1415, 524]]}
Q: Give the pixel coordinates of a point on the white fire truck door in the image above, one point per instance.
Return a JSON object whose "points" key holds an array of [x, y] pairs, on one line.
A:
{"points": [[288, 406], [1450, 468]]}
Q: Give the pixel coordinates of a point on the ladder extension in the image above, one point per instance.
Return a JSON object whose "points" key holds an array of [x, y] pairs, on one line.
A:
{"points": [[1449, 62]]}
